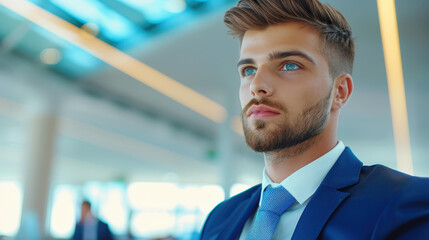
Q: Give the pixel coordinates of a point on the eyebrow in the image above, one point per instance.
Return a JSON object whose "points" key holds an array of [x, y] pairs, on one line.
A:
{"points": [[278, 55], [245, 61]]}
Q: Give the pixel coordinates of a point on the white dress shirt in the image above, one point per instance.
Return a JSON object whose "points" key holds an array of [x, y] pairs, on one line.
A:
{"points": [[302, 185]]}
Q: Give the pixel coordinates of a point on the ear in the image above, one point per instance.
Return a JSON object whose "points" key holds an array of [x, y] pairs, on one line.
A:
{"points": [[342, 91]]}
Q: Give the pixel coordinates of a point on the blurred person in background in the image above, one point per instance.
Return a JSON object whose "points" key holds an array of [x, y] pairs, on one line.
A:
{"points": [[90, 227], [296, 60]]}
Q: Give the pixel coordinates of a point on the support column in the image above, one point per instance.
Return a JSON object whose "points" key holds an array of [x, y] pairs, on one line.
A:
{"points": [[41, 131], [226, 165]]}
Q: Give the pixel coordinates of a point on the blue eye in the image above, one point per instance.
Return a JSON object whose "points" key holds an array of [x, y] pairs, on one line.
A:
{"points": [[249, 71], [290, 67]]}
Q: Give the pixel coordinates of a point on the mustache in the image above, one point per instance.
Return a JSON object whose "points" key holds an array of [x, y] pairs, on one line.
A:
{"points": [[264, 101]]}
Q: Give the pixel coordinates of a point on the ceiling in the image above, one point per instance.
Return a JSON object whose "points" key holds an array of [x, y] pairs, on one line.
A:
{"points": [[115, 127]]}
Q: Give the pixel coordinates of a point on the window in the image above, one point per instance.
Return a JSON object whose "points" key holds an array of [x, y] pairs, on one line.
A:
{"points": [[10, 208]]}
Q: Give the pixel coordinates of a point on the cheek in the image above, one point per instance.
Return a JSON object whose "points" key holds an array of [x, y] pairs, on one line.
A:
{"points": [[294, 100]]}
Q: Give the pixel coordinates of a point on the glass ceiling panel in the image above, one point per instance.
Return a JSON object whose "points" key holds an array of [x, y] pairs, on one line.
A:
{"points": [[121, 23], [159, 10], [112, 25]]}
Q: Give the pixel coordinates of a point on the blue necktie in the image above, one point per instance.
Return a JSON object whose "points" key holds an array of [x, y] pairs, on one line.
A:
{"points": [[275, 201]]}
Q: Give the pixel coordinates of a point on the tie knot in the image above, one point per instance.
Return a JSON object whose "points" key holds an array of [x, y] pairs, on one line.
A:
{"points": [[276, 200]]}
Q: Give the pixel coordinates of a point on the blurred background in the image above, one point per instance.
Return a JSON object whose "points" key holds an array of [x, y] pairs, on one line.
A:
{"points": [[133, 105]]}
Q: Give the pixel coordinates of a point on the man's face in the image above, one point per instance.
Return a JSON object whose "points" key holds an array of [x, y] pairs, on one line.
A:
{"points": [[85, 209], [285, 88]]}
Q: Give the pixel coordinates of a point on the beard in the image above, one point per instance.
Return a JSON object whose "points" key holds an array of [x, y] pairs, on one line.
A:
{"points": [[285, 134]]}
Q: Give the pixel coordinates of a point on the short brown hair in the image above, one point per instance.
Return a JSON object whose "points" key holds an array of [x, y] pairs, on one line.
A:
{"points": [[86, 203], [335, 32]]}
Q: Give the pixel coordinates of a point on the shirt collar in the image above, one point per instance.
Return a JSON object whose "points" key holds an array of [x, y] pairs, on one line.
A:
{"points": [[89, 219], [303, 183]]}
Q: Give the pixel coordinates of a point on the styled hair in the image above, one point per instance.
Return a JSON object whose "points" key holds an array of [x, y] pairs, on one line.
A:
{"points": [[334, 30], [86, 203]]}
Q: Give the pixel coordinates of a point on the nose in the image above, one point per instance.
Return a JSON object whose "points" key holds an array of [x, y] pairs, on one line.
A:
{"points": [[261, 84]]}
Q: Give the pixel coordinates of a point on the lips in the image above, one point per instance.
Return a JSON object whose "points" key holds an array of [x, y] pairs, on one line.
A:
{"points": [[261, 111]]}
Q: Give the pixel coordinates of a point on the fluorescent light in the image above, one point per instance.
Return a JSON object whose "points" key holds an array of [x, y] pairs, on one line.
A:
{"points": [[395, 79], [117, 59]]}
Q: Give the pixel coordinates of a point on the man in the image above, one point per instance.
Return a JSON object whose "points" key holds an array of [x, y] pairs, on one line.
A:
{"points": [[89, 227], [296, 60]]}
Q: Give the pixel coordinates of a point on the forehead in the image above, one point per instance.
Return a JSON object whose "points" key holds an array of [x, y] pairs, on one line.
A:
{"points": [[281, 37]]}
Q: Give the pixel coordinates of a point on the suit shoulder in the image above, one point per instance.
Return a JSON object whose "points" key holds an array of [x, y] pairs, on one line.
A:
{"points": [[390, 174], [405, 211], [101, 222], [382, 177]]}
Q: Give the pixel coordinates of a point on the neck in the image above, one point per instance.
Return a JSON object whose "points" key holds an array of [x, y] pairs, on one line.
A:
{"points": [[282, 163]]}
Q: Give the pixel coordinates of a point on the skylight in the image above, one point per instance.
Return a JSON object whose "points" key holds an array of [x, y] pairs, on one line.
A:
{"points": [[112, 25]]}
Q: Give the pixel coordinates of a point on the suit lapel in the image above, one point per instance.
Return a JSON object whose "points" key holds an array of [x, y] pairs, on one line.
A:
{"points": [[317, 212], [328, 196], [233, 227]]}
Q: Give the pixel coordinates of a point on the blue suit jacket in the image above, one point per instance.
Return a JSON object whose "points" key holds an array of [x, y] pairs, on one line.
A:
{"points": [[352, 202], [103, 231]]}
